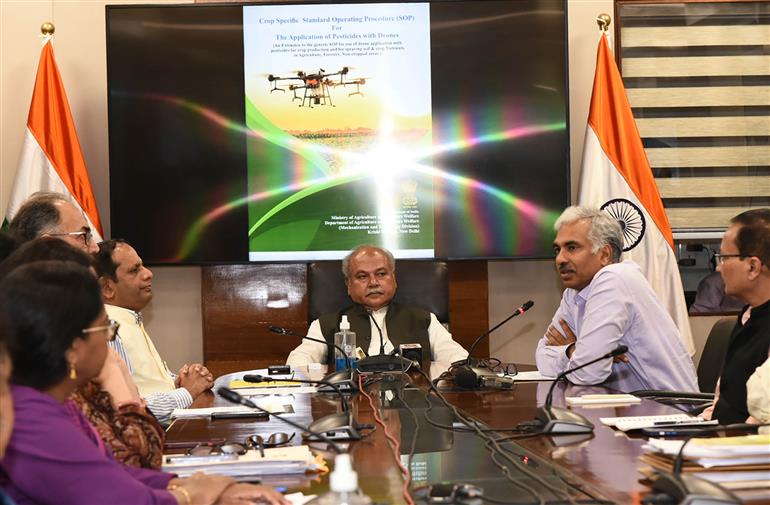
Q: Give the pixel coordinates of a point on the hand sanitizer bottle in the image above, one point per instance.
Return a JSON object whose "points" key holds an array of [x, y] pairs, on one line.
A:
{"points": [[343, 484], [347, 340]]}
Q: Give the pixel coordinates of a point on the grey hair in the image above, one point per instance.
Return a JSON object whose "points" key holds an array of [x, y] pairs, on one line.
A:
{"points": [[37, 216], [346, 260], [604, 229]]}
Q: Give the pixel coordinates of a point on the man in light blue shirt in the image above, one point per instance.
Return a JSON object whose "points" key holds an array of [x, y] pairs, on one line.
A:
{"points": [[609, 303]]}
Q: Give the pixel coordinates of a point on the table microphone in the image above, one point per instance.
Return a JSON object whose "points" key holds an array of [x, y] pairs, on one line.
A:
{"points": [[557, 420], [346, 379], [467, 376], [381, 362], [233, 397], [524, 307], [688, 489], [339, 426]]}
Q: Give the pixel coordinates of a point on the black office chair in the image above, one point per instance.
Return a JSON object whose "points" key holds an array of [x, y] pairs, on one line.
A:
{"points": [[713, 356], [709, 368], [421, 283]]}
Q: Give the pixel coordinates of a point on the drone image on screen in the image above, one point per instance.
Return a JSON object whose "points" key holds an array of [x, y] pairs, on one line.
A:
{"points": [[316, 86]]}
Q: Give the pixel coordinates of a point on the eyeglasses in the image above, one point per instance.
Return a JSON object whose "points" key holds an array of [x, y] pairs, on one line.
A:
{"points": [[720, 258], [86, 236], [273, 440], [111, 327], [507, 369], [208, 448]]}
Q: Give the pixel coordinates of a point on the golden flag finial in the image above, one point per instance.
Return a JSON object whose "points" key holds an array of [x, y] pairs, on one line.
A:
{"points": [[47, 28], [603, 20]]}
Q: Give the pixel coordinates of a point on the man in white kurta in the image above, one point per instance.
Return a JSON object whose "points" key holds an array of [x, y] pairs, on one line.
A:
{"points": [[127, 288]]}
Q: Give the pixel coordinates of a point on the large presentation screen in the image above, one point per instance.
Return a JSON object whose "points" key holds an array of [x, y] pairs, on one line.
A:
{"points": [[295, 132]]}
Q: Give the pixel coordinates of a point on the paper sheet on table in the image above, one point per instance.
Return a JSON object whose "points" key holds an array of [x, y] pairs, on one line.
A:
{"points": [[276, 390], [533, 375], [274, 407], [603, 399], [299, 498], [241, 384]]}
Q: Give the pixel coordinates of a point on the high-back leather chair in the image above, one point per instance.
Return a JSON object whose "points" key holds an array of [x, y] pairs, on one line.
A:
{"points": [[709, 369], [713, 356], [421, 283]]}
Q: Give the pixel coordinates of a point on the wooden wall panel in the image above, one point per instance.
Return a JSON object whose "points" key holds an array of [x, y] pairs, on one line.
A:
{"points": [[241, 302], [469, 303]]}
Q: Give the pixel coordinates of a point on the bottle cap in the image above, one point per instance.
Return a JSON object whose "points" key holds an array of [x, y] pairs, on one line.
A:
{"points": [[344, 324], [343, 479]]}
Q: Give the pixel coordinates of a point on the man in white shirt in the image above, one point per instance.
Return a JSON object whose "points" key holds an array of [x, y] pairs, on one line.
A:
{"points": [[608, 303], [370, 277], [127, 288]]}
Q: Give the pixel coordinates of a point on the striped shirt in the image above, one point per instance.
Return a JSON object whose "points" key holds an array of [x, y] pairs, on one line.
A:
{"points": [[160, 404]]}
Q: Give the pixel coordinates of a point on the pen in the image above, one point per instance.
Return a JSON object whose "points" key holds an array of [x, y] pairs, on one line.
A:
{"points": [[239, 415], [201, 459]]}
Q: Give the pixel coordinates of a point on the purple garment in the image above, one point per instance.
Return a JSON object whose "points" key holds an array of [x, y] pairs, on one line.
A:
{"points": [[54, 458]]}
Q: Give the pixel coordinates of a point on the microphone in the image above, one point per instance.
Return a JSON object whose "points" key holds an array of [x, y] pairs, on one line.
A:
{"points": [[687, 488], [339, 426], [346, 380], [233, 397], [256, 378], [467, 376], [341, 460], [524, 307], [557, 420]]}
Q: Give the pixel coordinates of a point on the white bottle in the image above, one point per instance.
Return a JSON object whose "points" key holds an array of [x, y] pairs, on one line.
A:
{"points": [[345, 339], [343, 484]]}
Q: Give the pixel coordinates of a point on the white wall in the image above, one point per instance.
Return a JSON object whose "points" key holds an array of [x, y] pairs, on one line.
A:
{"points": [[174, 317]]}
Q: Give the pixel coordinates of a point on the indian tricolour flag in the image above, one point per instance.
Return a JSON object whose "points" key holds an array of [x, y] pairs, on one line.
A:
{"points": [[51, 158], [617, 177]]}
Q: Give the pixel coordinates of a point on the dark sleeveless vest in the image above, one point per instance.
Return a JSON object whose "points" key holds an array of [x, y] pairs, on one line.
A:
{"points": [[405, 324]]}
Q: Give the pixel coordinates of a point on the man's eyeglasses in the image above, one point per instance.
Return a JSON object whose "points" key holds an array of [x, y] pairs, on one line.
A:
{"points": [[111, 327], [273, 440], [720, 258], [208, 449], [86, 236]]}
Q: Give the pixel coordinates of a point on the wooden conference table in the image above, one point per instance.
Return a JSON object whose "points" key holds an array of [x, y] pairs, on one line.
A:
{"points": [[604, 463]]}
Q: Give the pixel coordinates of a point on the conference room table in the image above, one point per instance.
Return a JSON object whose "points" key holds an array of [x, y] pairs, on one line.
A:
{"points": [[604, 463]]}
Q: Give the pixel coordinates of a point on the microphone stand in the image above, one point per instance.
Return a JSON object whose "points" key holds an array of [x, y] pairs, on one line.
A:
{"points": [[468, 376], [557, 420], [381, 362], [524, 307], [339, 426], [233, 397], [346, 379]]}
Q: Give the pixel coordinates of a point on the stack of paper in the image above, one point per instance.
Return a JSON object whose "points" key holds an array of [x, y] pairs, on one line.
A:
{"points": [[279, 460], [734, 462], [638, 422]]}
